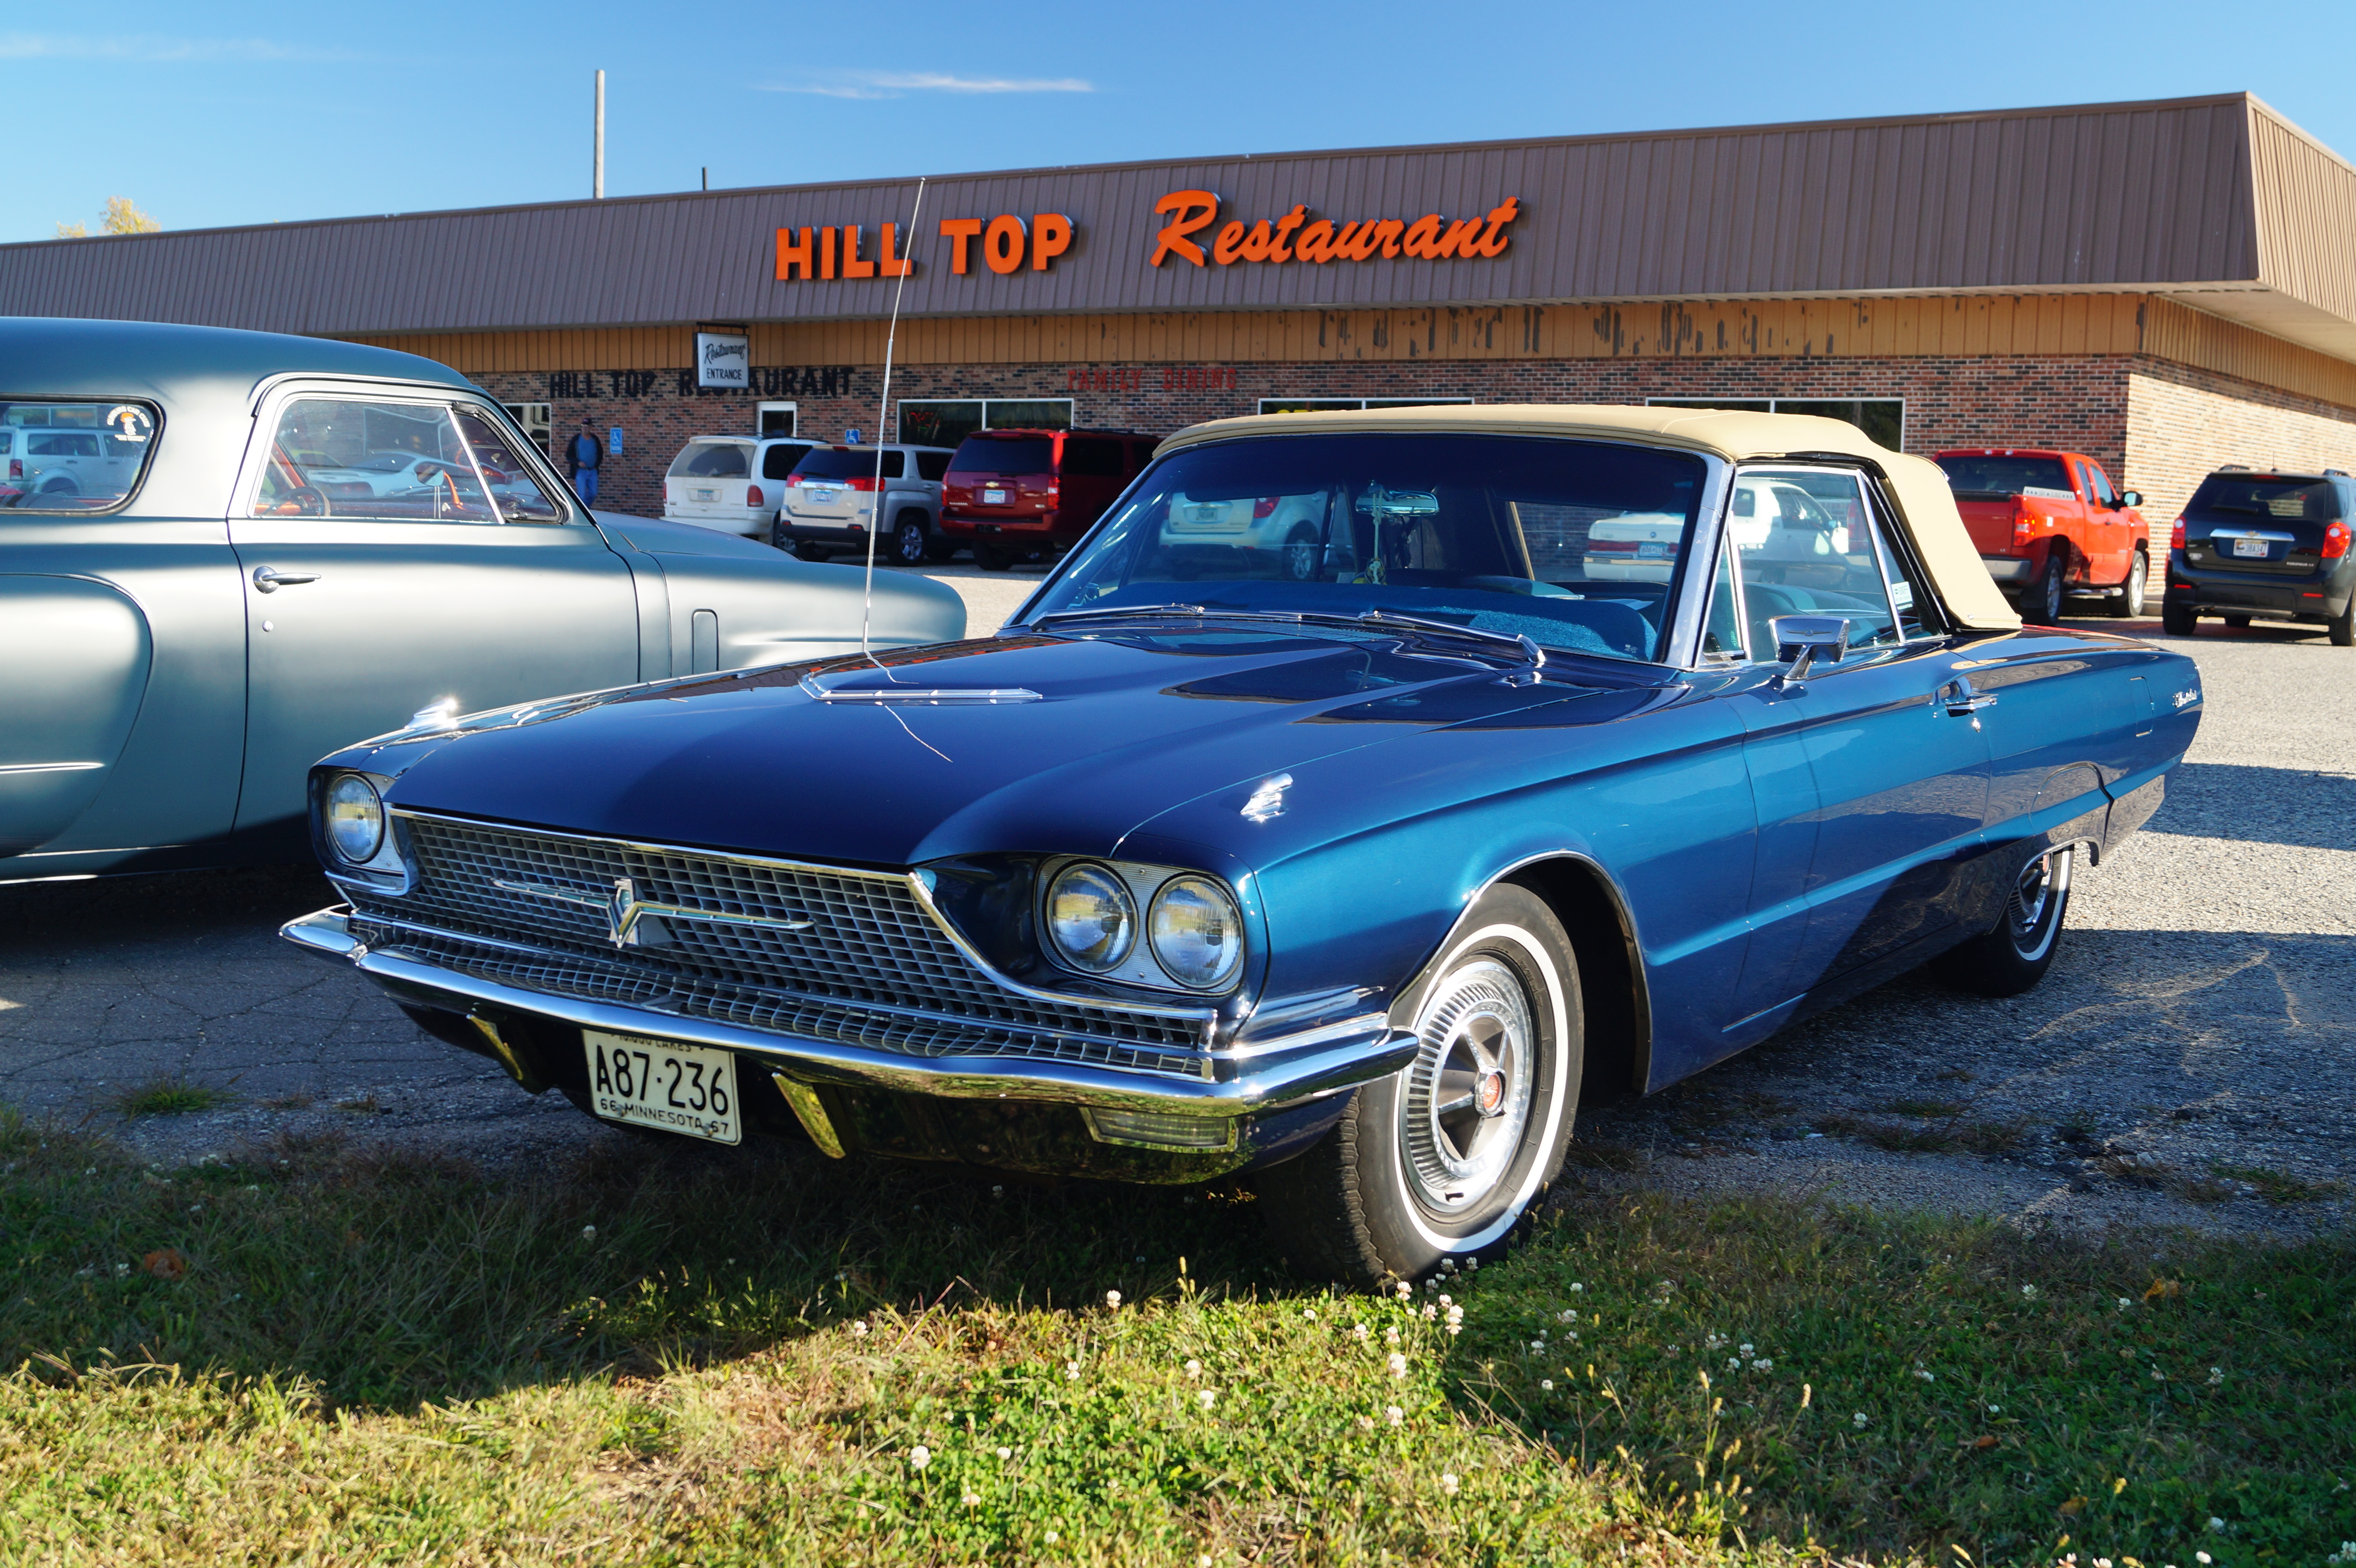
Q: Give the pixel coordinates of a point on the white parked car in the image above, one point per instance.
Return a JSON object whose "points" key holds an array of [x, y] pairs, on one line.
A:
{"points": [[732, 483], [1262, 536], [831, 502]]}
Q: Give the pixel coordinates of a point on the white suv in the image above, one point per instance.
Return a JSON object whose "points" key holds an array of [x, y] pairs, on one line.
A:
{"points": [[64, 461], [732, 483], [830, 504]]}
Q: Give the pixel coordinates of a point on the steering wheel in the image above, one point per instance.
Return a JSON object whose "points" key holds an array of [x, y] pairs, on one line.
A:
{"points": [[306, 501]]}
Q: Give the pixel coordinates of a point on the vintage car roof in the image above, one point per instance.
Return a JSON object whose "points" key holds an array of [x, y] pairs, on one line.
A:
{"points": [[58, 356], [1931, 518]]}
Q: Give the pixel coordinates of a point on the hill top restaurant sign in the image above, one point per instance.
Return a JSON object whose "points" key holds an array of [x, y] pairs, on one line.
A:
{"points": [[1008, 240]]}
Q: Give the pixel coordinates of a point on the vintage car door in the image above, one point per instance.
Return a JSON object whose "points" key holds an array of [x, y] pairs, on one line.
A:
{"points": [[1870, 775], [397, 553]]}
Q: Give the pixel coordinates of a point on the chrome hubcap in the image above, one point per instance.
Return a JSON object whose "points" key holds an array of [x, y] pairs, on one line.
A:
{"points": [[2046, 881], [1469, 1090]]}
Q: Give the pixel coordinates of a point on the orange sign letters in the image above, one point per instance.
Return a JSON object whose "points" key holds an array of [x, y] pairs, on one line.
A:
{"points": [[1296, 237], [832, 252]]}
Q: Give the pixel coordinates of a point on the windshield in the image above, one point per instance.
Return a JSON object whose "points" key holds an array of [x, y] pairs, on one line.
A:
{"points": [[2006, 475], [1005, 454], [712, 460], [1572, 544]]}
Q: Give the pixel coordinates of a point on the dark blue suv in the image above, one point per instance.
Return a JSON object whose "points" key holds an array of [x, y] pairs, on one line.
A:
{"points": [[2269, 546]]}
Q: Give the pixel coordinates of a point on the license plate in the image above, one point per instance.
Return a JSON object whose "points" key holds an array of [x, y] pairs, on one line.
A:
{"points": [[2250, 547], [706, 494], [658, 1083], [993, 498]]}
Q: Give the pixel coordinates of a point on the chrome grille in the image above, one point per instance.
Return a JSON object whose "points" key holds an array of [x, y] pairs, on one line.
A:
{"points": [[871, 968]]}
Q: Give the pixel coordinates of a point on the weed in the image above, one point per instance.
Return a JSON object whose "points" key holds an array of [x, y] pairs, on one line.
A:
{"points": [[365, 1104], [293, 1100], [171, 1097], [1917, 1106], [2279, 1187]]}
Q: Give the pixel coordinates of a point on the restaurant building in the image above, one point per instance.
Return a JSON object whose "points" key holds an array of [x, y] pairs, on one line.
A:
{"points": [[2167, 287]]}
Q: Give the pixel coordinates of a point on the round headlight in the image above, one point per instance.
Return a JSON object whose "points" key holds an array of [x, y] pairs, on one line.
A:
{"points": [[1196, 931], [1090, 918], [354, 818]]}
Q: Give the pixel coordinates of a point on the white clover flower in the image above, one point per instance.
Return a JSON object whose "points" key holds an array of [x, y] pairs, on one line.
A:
{"points": [[588, 1233], [859, 1329], [1746, 1349], [1566, 1316], [1545, 1385], [1394, 1414], [1203, 1560], [1113, 1299], [1208, 1397], [1429, 1312], [2029, 1291], [1194, 1368], [1471, 1262], [1456, 1315], [2216, 1376], [1309, 1313], [2216, 1524], [1071, 1371], [1572, 1335], [919, 1457], [972, 1499], [1449, 1483], [2101, 1562], [1358, 1332], [1927, 1377], [1390, 1334], [2157, 1376], [1445, 1299], [1576, 1287], [1454, 1329], [1996, 1410], [1540, 1346], [1763, 1364], [1405, 1290], [1051, 1537], [1006, 1453], [1397, 1364], [2202, 1557], [997, 1191], [1714, 1341], [2125, 1302], [1859, 1419]]}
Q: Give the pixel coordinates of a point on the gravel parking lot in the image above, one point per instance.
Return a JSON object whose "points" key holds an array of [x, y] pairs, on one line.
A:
{"points": [[2187, 1061]]}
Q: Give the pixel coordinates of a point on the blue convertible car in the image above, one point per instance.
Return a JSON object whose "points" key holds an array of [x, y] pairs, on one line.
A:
{"points": [[1541, 748]]}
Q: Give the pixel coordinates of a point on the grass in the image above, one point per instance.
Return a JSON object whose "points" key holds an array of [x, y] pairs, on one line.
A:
{"points": [[1937, 1137], [171, 1097], [671, 1359]]}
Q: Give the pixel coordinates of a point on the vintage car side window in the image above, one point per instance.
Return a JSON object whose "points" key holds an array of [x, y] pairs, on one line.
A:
{"points": [[395, 462], [1805, 545], [79, 455], [1721, 634]]}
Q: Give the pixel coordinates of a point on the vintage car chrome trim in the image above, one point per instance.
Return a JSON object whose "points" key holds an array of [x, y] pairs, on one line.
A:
{"points": [[1282, 1071], [915, 881], [10, 768], [919, 696]]}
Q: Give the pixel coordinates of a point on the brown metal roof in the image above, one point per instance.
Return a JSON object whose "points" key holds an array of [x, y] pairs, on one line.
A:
{"points": [[2196, 195]]}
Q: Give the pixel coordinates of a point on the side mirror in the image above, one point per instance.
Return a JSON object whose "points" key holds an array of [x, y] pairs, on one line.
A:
{"points": [[1802, 640], [2130, 498]]}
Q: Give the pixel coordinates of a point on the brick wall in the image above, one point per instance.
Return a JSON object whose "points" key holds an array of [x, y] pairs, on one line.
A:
{"points": [[2155, 425], [2182, 423]]}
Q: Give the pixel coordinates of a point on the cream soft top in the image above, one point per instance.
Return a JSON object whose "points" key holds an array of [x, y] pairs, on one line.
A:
{"points": [[1930, 518]]}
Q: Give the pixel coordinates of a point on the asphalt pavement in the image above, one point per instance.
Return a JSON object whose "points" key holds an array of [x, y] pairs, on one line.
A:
{"points": [[2187, 1061]]}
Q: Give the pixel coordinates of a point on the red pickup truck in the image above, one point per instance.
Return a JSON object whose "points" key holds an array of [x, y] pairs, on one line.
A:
{"points": [[2048, 524]]}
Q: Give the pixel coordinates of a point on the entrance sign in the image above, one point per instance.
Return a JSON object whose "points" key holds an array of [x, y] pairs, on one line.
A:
{"points": [[723, 359]]}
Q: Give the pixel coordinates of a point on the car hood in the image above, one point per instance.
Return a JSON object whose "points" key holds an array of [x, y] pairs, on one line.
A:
{"points": [[1087, 739]]}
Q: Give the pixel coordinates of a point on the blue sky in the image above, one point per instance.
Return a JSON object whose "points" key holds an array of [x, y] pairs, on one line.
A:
{"points": [[252, 113]]}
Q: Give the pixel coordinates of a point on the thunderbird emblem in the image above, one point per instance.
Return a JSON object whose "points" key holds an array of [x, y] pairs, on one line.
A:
{"points": [[631, 922], [622, 913]]}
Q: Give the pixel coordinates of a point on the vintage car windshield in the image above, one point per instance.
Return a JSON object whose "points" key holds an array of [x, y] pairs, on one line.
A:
{"points": [[1573, 544], [72, 457]]}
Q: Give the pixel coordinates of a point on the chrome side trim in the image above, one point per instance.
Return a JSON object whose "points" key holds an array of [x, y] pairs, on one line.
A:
{"points": [[1285, 1071], [48, 767]]}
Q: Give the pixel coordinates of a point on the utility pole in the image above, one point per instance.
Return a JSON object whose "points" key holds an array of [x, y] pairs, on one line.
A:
{"points": [[598, 179]]}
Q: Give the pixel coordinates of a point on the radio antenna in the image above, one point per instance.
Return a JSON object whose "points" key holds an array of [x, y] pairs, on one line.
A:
{"points": [[876, 518]]}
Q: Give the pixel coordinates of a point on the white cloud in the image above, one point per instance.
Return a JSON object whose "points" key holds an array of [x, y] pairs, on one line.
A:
{"points": [[151, 49], [898, 84]]}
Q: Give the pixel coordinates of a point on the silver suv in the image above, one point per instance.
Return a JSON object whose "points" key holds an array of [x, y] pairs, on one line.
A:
{"points": [[831, 503]]}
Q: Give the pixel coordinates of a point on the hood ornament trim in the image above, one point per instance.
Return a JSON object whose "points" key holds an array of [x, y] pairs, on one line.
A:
{"points": [[1267, 803], [920, 696]]}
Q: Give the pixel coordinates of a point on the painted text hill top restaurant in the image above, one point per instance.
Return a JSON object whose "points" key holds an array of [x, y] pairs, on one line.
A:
{"points": [[2167, 287]]}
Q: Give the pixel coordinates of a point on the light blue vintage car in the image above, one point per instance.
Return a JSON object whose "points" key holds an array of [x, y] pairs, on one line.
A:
{"points": [[1573, 746], [224, 554]]}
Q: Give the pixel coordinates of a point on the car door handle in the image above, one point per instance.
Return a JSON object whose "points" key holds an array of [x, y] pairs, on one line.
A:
{"points": [[1960, 699], [269, 579]]}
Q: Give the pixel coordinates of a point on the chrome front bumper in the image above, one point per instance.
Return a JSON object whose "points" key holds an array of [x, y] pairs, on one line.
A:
{"points": [[1262, 1075]]}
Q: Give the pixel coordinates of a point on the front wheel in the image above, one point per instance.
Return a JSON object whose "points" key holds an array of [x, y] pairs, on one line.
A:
{"points": [[2129, 604], [1443, 1158], [2014, 956], [910, 544]]}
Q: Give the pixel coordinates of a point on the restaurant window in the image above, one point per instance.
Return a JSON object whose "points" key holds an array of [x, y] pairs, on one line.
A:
{"points": [[777, 419], [945, 421], [1326, 405], [1883, 419], [534, 421]]}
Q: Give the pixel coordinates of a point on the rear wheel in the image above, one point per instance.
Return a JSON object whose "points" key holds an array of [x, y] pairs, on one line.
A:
{"points": [[2015, 955], [2342, 626], [2178, 620], [911, 541], [990, 557], [1300, 555], [1442, 1159], [2043, 605], [2129, 604]]}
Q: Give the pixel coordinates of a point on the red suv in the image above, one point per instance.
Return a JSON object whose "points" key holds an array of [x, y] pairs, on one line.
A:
{"points": [[2048, 524], [1015, 494]]}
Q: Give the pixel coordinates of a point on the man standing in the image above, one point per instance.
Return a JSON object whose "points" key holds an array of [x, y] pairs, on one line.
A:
{"points": [[587, 455]]}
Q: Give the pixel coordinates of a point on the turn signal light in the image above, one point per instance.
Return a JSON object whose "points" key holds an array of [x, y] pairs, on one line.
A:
{"points": [[2335, 541], [2022, 521], [15, 468], [2175, 535], [1263, 508], [752, 494], [860, 482]]}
